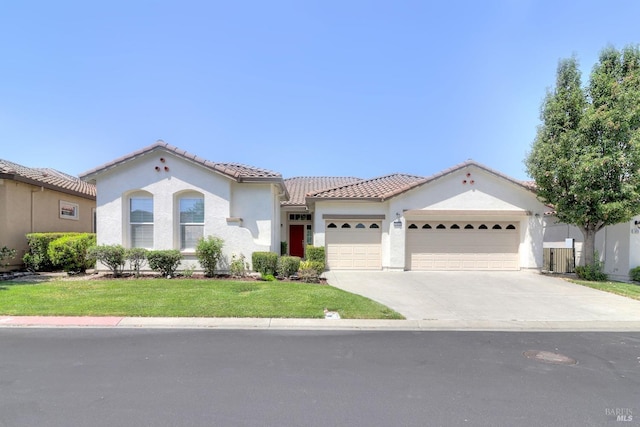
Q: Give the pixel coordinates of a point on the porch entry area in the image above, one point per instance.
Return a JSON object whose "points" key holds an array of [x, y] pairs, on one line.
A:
{"points": [[300, 233]]}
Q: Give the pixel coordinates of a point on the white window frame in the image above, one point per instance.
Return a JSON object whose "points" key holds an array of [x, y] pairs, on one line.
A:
{"points": [[182, 244], [143, 223], [68, 210]]}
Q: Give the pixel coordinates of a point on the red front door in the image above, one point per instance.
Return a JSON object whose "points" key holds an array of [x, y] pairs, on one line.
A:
{"points": [[296, 240]]}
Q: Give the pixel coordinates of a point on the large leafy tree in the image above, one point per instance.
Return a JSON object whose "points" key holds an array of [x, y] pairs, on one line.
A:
{"points": [[586, 155]]}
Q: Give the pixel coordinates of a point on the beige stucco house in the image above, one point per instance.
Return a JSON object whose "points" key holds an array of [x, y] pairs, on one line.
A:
{"points": [[468, 217], [41, 200]]}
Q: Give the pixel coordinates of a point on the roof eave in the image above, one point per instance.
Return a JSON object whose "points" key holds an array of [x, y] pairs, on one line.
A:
{"points": [[29, 181], [341, 199]]}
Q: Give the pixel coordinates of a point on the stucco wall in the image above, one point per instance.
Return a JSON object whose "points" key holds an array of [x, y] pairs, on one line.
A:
{"points": [[27, 209], [223, 199]]}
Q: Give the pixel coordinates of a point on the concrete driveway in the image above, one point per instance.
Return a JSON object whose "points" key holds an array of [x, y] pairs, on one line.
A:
{"points": [[518, 296]]}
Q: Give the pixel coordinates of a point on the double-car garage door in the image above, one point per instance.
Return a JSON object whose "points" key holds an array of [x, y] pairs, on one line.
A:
{"points": [[442, 245]]}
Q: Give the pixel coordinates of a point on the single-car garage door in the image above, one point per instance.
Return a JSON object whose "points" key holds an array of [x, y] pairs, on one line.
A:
{"points": [[353, 245], [439, 245]]}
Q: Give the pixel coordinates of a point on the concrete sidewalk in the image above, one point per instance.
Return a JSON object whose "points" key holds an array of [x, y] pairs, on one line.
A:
{"points": [[314, 324]]}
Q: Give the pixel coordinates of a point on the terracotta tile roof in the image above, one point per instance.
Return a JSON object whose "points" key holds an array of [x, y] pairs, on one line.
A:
{"points": [[236, 171], [385, 187], [377, 189], [300, 186], [48, 178]]}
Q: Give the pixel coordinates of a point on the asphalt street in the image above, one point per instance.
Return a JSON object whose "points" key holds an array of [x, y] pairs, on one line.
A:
{"points": [[157, 377]]}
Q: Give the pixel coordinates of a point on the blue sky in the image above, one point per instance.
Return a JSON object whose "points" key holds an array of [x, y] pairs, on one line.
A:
{"points": [[314, 88]]}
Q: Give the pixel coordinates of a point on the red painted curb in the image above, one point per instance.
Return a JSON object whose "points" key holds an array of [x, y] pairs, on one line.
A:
{"points": [[58, 321]]}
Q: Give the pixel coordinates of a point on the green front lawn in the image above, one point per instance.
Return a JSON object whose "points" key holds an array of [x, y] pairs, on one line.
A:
{"points": [[629, 290], [184, 298]]}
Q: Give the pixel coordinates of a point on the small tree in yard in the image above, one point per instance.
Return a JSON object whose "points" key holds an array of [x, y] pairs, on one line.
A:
{"points": [[585, 159], [113, 256], [209, 253]]}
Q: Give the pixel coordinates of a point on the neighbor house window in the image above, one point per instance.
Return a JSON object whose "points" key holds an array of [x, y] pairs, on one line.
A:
{"points": [[191, 221], [68, 210], [141, 222]]}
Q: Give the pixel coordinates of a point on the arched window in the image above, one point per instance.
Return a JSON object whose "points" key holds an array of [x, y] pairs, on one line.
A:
{"points": [[374, 226], [455, 227], [468, 227], [346, 225], [482, 227], [191, 207], [360, 225], [497, 227], [141, 220], [332, 225], [511, 227], [441, 227], [426, 227], [413, 226]]}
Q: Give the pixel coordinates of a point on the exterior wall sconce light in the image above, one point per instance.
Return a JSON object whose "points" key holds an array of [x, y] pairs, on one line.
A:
{"points": [[397, 223]]}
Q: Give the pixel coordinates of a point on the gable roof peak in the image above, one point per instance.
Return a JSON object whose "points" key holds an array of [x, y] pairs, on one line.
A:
{"points": [[527, 185], [236, 171]]}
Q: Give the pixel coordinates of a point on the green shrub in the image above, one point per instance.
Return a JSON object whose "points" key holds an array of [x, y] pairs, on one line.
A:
{"points": [[310, 271], [113, 256], [37, 257], [288, 265], [136, 257], [71, 252], [316, 266], [265, 262], [591, 272], [268, 277], [239, 266], [315, 253], [6, 253], [283, 248], [634, 274], [165, 262], [209, 253]]}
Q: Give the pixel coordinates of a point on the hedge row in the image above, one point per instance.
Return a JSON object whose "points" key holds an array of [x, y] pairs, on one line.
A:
{"points": [[268, 264], [52, 251]]}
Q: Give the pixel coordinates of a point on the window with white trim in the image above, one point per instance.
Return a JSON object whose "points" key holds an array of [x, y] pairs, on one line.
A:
{"points": [[191, 220], [141, 222]]}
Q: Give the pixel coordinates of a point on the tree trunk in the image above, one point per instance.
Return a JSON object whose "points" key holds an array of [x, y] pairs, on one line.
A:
{"points": [[589, 245]]}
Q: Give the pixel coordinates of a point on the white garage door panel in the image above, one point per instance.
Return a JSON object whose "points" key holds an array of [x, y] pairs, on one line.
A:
{"points": [[354, 249], [462, 249]]}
